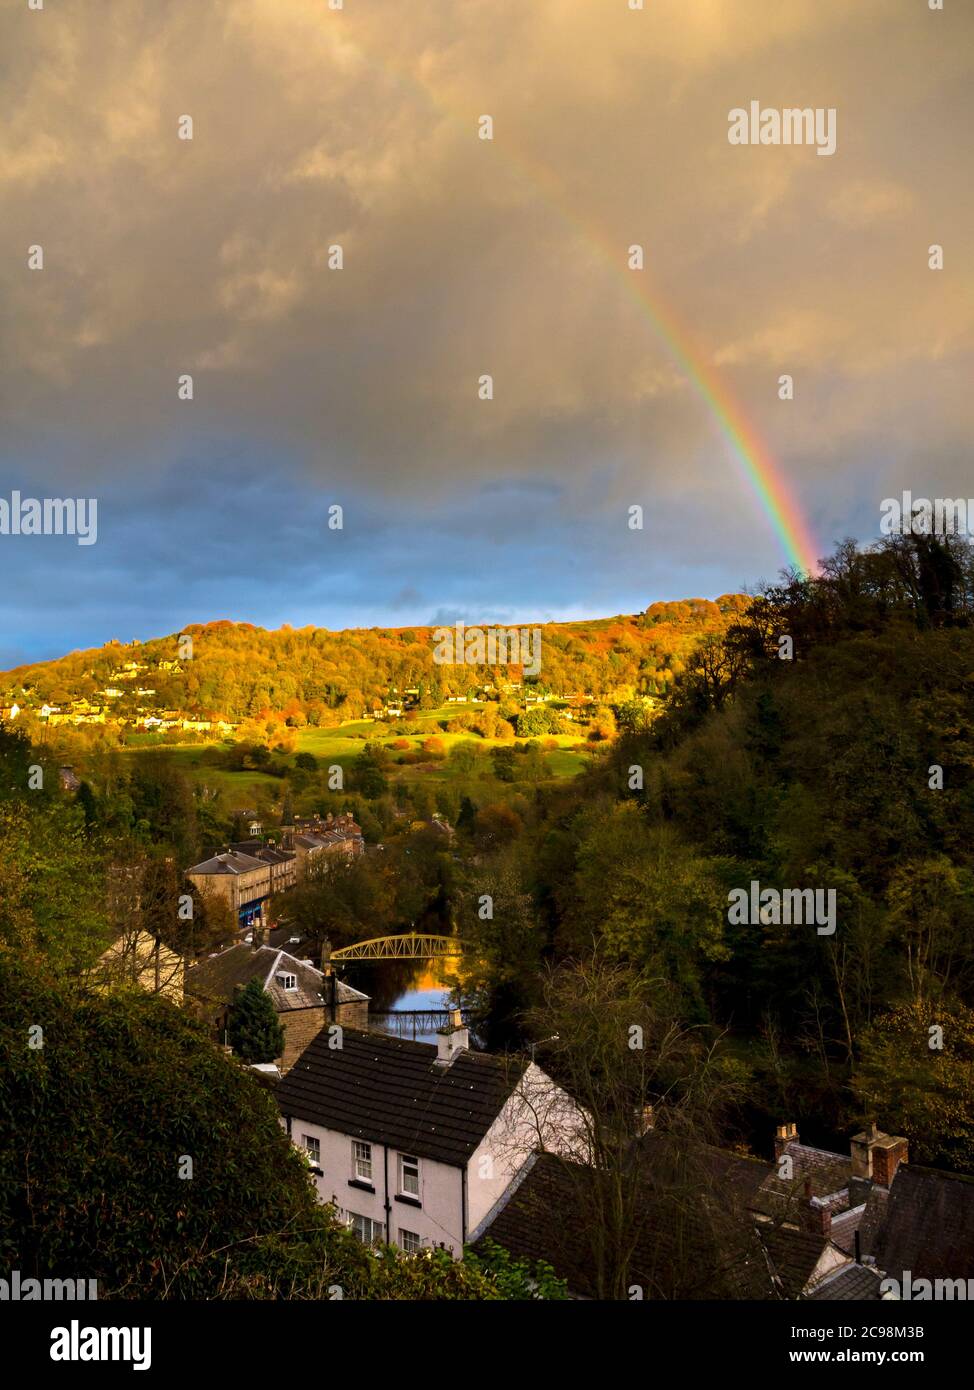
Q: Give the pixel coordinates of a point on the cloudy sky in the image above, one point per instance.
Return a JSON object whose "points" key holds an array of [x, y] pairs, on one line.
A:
{"points": [[313, 387]]}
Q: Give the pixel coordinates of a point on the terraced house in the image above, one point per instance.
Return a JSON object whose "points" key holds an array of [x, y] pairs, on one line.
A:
{"points": [[245, 881]]}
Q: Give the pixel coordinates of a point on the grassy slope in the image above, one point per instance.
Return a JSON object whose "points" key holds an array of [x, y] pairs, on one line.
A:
{"points": [[339, 745]]}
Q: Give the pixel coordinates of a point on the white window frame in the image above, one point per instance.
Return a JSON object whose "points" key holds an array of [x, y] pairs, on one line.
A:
{"points": [[361, 1160], [287, 981], [414, 1236], [376, 1231], [312, 1147], [413, 1163]]}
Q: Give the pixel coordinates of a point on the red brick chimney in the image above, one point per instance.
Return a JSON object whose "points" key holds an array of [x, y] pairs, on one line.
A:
{"points": [[877, 1155], [888, 1154]]}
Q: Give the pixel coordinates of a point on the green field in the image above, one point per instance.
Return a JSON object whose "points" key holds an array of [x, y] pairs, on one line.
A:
{"points": [[342, 745]]}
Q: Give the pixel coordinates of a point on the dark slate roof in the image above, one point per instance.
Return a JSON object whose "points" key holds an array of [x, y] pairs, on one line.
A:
{"points": [[929, 1227], [872, 1219], [850, 1284], [304, 947], [232, 862], [217, 977], [844, 1228], [828, 1173], [552, 1208], [390, 1091], [741, 1176], [793, 1255], [267, 854]]}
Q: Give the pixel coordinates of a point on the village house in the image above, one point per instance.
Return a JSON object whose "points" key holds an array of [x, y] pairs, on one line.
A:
{"points": [[243, 880], [136, 958], [306, 999], [678, 1248], [247, 874], [928, 1228], [283, 862], [825, 1227], [413, 1143], [313, 839]]}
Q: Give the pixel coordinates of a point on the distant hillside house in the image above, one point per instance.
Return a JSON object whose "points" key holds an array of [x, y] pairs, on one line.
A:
{"points": [[412, 1143], [306, 999]]}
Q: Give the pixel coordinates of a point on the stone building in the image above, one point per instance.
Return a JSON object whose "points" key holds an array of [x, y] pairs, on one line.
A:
{"points": [[244, 880], [306, 999]]}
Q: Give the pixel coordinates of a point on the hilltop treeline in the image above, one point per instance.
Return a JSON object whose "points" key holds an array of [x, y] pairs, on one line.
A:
{"points": [[238, 671], [826, 740]]}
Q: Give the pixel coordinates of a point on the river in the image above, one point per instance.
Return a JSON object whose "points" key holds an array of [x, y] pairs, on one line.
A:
{"points": [[417, 991]]}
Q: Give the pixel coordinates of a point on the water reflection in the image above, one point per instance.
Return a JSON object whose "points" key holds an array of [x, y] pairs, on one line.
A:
{"points": [[405, 987]]}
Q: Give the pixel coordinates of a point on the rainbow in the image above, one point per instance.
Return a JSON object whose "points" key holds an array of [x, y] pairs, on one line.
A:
{"points": [[756, 466], [754, 461]]}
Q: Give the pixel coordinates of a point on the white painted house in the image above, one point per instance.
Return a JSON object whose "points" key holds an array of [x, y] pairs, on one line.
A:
{"points": [[414, 1143]]}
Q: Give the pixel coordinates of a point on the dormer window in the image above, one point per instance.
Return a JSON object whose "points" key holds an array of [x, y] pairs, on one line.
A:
{"points": [[287, 982]]}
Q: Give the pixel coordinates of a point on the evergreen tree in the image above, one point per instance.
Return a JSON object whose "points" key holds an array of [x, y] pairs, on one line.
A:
{"points": [[86, 800], [466, 815], [253, 1028]]}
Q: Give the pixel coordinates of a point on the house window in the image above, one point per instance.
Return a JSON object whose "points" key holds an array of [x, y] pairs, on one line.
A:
{"points": [[410, 1241], [408, 1175], [368, 1231], [362, 1160], [287, 981], [313, 1147]]}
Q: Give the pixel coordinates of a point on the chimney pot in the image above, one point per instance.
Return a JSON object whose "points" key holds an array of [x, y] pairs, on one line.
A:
{"points": [[451, 1040], [784, 1135]]}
